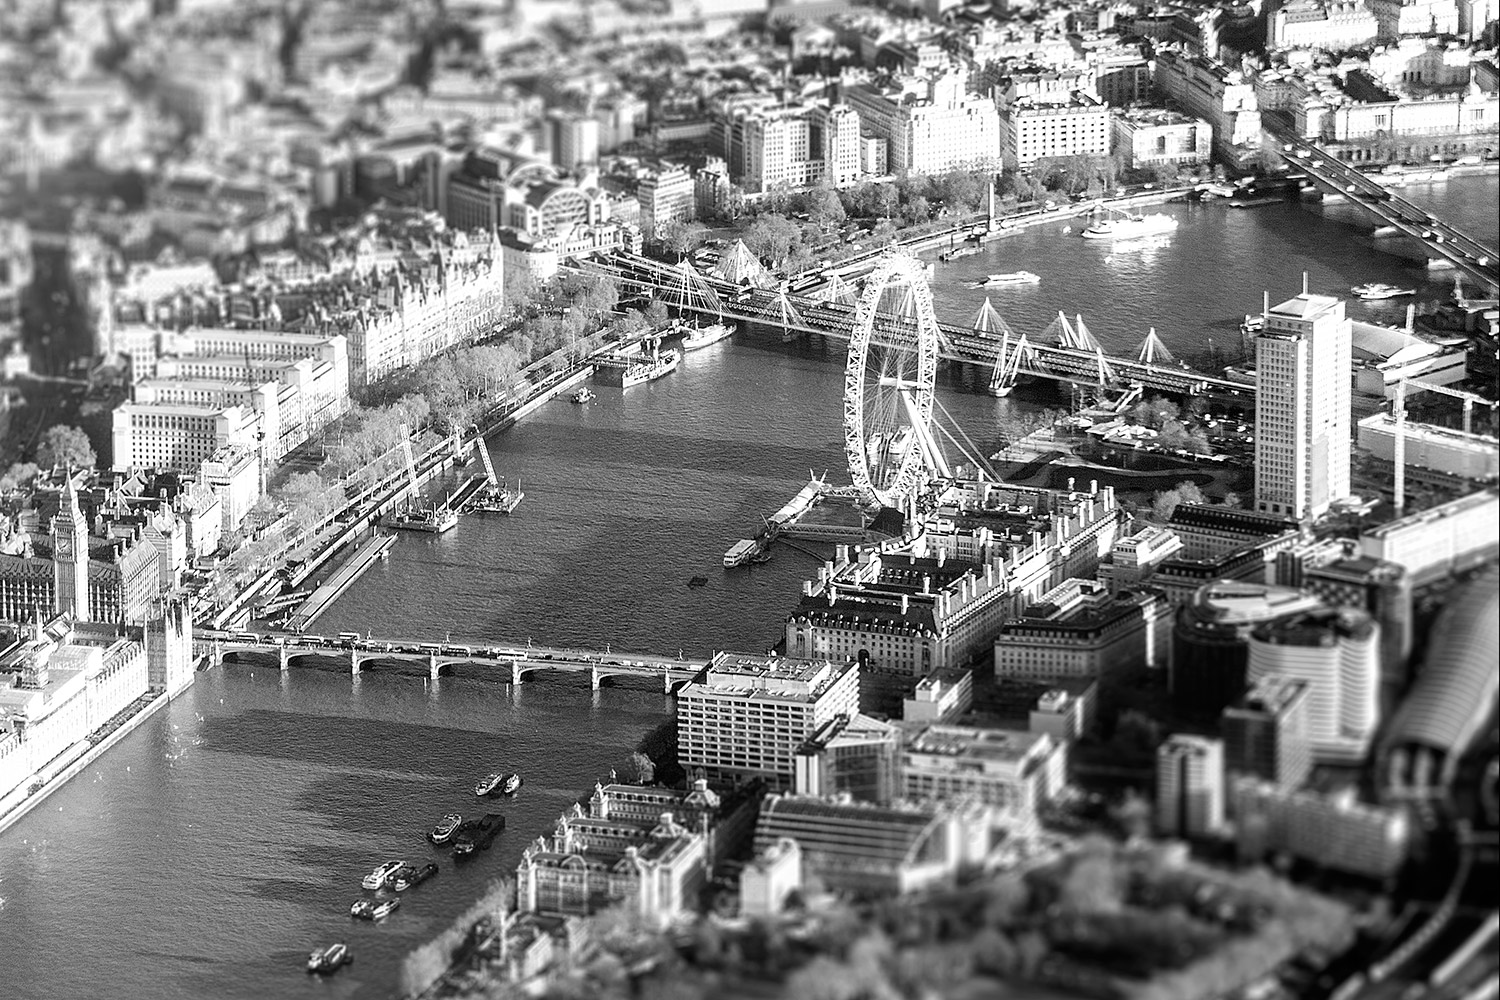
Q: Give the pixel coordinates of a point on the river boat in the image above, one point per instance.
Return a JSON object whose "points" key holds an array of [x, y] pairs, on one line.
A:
{"points": [[446, 828], [959, 253], [488, 784], [326, 961], [478, 835], [1013, 278], [741, 552], [410, 878], [433, 521], [511, 784], [583, 395], [374, 909], [1123, 226], [1377, 290], [377, 878], [701, 336], [660, 364]]}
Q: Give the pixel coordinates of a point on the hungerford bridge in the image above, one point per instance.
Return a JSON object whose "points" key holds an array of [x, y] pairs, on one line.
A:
{"points": [[1065, 351], [510, 663]]}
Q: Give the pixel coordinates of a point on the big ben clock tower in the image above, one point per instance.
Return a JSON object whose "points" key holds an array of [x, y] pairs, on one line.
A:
{"points": [[70, 556]]}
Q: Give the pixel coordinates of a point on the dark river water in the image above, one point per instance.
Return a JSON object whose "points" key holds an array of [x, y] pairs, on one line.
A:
{"points": [[207, 852]]}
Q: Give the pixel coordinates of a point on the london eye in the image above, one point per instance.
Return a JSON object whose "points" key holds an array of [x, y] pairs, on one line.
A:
{"points": [[888, 382]]}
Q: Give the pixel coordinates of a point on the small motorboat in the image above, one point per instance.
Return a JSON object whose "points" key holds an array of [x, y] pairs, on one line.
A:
{"points": [[1378, 290], [326, 961], [583, 395], [446, 828], [409, 878], [377, 878], [374, 909], [511, 784], [488, 784]]}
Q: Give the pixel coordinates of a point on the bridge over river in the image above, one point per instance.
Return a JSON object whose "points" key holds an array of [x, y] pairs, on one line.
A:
{"points": [[1063, 352], [509, 663], [1441, 241]]}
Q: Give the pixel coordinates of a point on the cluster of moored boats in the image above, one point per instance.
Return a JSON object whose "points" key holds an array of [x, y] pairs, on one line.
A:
{"points": [[466, 836]]}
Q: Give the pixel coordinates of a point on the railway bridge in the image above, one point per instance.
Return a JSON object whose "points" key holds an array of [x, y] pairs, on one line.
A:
{"points": [[1064, 351]]}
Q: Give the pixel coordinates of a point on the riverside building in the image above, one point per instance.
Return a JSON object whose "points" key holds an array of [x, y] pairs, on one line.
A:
{"points": [[105, 576], [1302, 441], [1036, 128], [749, 715], [909, 607]]}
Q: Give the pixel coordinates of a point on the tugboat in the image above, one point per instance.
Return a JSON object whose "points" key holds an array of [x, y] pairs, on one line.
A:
{"points": [[326, 961], [377, 878], [477, 835], [412, 877], [374, 909], [446, 828]]}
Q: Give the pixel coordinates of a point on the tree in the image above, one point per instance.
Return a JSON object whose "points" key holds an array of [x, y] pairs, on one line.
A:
{"points": [[639, 769], [1132, 814], [824, 209], [1232, 499], [1189, 492], [1137, 735], [682, 237], [65, 446], [771, 238], [18, 474], [1092, 885]]}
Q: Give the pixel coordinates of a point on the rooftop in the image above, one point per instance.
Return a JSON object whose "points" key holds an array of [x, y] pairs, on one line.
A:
{"points": [[999, 745], [1306, 306]]}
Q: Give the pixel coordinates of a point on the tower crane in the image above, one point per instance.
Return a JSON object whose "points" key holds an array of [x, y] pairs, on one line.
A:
{"points": [[1398, 411]]}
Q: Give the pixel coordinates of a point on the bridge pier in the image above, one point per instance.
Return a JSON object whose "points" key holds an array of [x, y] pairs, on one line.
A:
{"points": [[593, 677], [285, 657], [432, 667], [515, 673], [354, 662]]}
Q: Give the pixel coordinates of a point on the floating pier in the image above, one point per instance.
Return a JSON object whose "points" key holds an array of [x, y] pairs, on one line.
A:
{"points": [[342, 579]]}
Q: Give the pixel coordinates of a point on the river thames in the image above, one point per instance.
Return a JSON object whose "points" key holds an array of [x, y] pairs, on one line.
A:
{"points": [[213, 847]]}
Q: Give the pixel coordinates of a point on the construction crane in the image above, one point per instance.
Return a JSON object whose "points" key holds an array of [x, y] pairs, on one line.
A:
{"points": [[411, 464], [1398, 412], [1469, 398]]}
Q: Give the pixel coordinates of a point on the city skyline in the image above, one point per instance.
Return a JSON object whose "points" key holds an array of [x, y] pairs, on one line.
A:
{"points": [[379, 385]]}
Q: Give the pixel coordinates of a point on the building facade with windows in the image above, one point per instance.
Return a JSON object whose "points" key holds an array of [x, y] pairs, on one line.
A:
{"points": [[749, 716], [1266, 732], [1189, 786], [1150, 137], [1013, 773], [1032, 129], [1302, 385], [1336, 653]]}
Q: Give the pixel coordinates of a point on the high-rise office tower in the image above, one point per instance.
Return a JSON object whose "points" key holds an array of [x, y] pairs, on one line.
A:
{"points": [[1189, 786], [1265, 733], [1302, 386]]}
